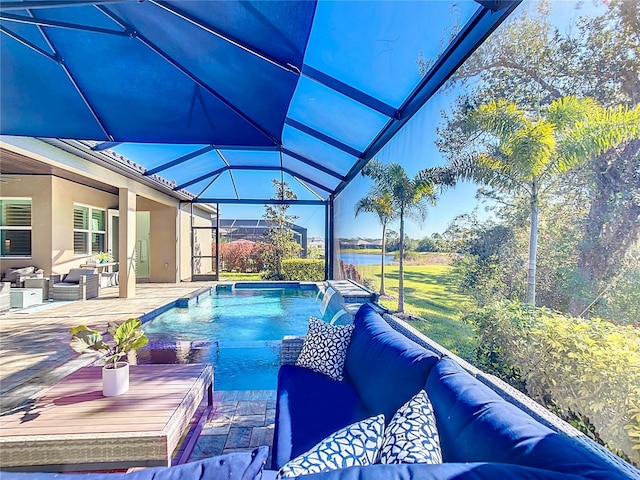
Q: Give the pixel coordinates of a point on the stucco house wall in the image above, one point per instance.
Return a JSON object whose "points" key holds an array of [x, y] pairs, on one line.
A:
{"points": [[64, 196], [39, 190], [53, 199]]}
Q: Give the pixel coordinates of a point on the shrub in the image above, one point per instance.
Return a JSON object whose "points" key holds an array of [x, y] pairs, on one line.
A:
{"points": [[408, 255], [348, 271], [579, 368], [240, 256], [303, 269]]}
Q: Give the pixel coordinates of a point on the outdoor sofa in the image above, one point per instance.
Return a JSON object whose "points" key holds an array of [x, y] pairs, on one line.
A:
{"points": [[17, 276], [481, 434]]}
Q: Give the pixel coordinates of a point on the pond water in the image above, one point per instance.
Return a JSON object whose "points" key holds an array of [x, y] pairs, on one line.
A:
{"points": [[365, 258]]}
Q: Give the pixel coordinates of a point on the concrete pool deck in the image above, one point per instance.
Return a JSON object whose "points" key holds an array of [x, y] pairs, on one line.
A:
{"points": [[35, 354]]}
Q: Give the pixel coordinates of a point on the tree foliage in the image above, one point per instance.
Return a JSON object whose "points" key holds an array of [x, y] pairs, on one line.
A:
{"points": [[521, 153], [279, 234], [432, 243], [587, 370], [532, 63], [241, 256], [409, 197], [381, 204], [490, 265]]}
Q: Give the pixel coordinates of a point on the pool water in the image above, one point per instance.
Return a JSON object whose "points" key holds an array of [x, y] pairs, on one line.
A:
{"points": [[239, 331]]}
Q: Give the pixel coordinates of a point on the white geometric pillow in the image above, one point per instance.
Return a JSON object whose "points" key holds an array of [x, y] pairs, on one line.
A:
{"points": [[355, 445], [412, 436], [325, 348]]}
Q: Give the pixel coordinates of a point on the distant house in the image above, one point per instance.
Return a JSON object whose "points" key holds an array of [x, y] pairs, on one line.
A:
{"points": [[360, 243], [254, 230], [316, 242]]}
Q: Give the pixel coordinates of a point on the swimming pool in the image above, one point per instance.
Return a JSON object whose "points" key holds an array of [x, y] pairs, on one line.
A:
{"points": [[238, 330]]}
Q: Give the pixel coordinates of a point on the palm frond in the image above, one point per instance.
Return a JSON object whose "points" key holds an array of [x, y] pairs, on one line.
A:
{"points": [[487, 170], [418, 210], [374, 170], [379, 204], [531, 149], [603, 129], [439, 177], [497, 117], [565, 112]]}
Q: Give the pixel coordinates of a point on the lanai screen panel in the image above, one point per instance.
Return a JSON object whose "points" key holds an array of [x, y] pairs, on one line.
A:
{"points": [[321, 84]]}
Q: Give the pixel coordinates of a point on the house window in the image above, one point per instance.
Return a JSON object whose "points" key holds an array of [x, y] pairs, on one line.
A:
{"points": [[15, 227], [89, 230]]}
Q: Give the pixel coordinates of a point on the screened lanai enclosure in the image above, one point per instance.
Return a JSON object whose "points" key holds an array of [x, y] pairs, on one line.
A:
{"points": [[485, 153], [221, 97]]}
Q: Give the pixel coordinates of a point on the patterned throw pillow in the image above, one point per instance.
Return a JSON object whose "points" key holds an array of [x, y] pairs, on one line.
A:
{"points": [[355, 445], [325, 348], [412, 436]]}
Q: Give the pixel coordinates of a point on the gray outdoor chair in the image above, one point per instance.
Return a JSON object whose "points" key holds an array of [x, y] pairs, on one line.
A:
{"points": [[78, 284]]}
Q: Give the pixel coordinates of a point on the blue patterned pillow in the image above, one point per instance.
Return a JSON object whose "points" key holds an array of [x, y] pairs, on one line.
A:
{"points": [[412, 436], [355, 445], [325, 348]]}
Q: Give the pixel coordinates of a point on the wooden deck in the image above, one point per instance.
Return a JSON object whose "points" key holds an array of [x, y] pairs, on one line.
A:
{"points": [[72, 426]]}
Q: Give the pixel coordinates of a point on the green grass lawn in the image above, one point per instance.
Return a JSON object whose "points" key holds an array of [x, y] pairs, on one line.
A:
{"points": [[235, 276], [430, 293]]}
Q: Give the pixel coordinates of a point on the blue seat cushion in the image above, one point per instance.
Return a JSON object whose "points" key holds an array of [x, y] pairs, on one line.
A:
{"points": [[310, 406], [231, 466], [446, 471], [476, 425], [386, 368]]}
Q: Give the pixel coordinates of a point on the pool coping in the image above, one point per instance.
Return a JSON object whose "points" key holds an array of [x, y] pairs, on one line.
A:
{"points": [[182, 302]]}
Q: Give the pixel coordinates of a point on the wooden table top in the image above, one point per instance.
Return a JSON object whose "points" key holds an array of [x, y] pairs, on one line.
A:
{"points": [[155, 411]]}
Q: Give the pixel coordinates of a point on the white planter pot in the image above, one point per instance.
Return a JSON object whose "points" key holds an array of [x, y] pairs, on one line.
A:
{"points": [[115, 381]]}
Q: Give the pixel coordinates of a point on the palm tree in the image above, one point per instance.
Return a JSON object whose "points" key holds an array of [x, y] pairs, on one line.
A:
{"points": [[409, 196], [382, 206], [515, 154]]}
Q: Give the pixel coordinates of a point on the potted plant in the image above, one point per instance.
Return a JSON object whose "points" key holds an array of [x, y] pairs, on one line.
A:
{"points": [[104, 257], [126, 337]]}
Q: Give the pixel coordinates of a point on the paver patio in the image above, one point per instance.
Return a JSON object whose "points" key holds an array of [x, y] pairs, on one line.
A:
{"points": [[30, 362], [34, 347]]}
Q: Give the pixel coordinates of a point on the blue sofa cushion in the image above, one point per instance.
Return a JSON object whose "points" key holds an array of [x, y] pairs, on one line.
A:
{"points": [[310, 406], [386, 368], [357, 444], [231, 466], [476, 425], [446, 471]]}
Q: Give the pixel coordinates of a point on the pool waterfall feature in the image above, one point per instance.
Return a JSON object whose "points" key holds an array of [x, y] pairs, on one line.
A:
{"points": [[344, 297], [239, 326]]}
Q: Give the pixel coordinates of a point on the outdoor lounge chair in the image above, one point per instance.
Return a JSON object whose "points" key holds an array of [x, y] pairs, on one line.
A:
{"points": [[78, 284]]}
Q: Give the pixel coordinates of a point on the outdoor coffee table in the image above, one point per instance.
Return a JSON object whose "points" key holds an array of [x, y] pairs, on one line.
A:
{"points": [[73, 427]]}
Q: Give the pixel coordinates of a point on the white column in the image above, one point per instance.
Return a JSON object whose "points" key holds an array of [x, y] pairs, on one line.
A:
{"points": [[127, 241]]}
